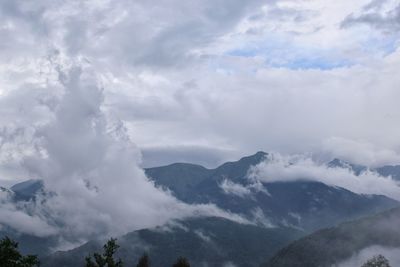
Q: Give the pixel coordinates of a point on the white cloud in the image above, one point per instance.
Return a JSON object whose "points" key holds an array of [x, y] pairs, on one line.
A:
{"points": [[92, 170], [260, 218], [253, 186], [278, 168], [231, 188], [24, 223], [203, 236], [15, 217], [360, 152], [166, 78]]}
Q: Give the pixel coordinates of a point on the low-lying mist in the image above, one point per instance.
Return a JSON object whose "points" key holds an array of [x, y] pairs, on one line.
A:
{"points": [[280, 168]]}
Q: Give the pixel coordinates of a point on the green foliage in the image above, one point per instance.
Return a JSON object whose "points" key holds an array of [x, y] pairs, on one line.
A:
{"points": [[107, 258], [143, 261], [377, 261], [10, 256], [181, 262]]}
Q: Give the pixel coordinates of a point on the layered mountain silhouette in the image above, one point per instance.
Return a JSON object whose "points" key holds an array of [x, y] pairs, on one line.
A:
{"points": [[303, 204], [280, 212]]}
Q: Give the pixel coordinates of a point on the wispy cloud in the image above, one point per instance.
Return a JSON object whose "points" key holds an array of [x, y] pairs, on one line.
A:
{"points": [[381, 15], [278, 168]]}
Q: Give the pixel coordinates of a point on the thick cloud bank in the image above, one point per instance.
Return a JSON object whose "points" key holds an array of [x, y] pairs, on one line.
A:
{"points": [[91, 173], [279, 168]]}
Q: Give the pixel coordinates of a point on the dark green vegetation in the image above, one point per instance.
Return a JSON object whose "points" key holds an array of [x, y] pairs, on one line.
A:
{"points": [[333, 245], [29, 244], [144, 261], [214, 241], [107, 258], [11, 257], [181, 262], [377, 261]]}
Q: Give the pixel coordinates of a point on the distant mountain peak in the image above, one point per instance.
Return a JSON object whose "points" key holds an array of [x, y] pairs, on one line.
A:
{"points": [[27, 189], [249, 160], [25, 184], [337, 163], [181, 165], [257, 157]]}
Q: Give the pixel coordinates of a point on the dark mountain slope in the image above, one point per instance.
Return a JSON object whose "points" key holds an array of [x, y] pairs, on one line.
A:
{"points": [[331, 246], [183, 178], [304, 204], [204, 241], [26, 190], [317, 205], [393, 171]]}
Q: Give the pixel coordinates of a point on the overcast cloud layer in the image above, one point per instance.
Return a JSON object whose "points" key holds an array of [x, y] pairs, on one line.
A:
{"points": [[200, 81], [207, 81]]}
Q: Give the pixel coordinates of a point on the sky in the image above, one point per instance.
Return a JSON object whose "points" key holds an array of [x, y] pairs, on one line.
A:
{"points": [[210, 81], [92, 91]]}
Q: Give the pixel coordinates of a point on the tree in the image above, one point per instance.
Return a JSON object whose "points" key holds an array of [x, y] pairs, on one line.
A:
{"points": [[10, 256], [107, 258], [144, 261], [181, 262], [377, 261]]}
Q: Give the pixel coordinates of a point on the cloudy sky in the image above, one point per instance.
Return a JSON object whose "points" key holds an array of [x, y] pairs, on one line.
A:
{"points": [[208, 81], [93, 90]]}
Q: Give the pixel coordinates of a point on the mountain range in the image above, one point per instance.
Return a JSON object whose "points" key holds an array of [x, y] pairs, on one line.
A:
{"points": [[303, 204], [280, 212]]}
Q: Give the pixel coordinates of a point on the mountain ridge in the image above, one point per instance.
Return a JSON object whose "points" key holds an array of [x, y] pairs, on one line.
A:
{"points": [[195, 185], [328, 247], [300, 207]]}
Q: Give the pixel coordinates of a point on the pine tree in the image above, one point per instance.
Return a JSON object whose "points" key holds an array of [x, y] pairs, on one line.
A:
{"points": [[10, 256], [144, 261], [107, 258], [377, 261], [181, 262]]}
